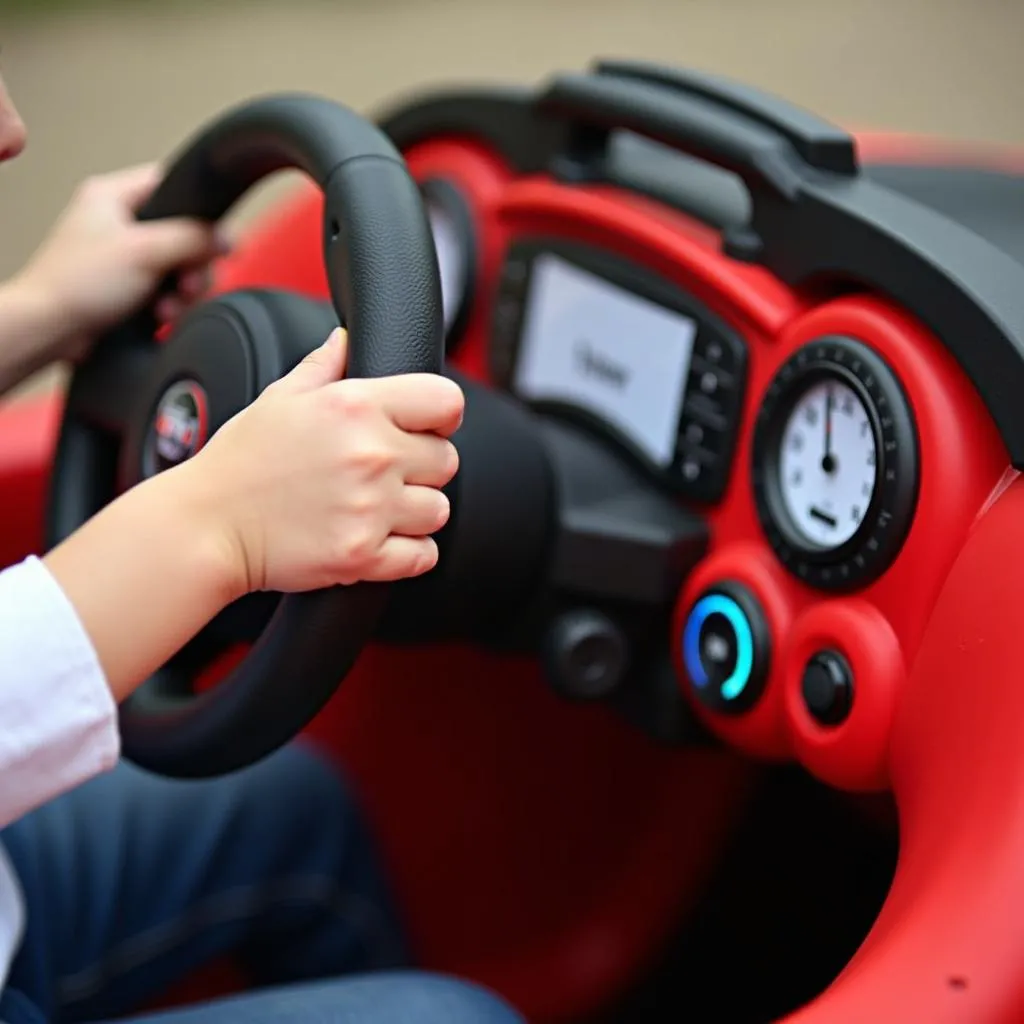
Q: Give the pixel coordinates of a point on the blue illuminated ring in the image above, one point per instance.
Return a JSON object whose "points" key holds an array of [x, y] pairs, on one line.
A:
{"points": [[719, 604]]}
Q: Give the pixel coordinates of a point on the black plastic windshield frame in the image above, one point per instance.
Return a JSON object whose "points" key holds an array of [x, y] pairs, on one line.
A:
{"points": [[815, 217]]}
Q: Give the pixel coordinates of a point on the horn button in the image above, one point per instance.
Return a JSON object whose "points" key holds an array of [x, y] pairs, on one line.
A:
{"points": [[205, 372]]}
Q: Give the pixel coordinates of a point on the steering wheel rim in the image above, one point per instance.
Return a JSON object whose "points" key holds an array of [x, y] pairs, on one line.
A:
{"points": [[382, 272]]}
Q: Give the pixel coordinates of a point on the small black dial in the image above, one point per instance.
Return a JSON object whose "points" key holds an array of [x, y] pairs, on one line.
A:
{"points": [[835, 464]]}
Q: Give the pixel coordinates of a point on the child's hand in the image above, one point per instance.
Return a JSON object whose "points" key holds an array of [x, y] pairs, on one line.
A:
{"points": [[99, 264], [324, 481], [320, 481]]}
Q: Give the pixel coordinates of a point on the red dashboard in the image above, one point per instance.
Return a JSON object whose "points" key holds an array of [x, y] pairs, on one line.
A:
{"points": [[878, 627], [836, 502]]}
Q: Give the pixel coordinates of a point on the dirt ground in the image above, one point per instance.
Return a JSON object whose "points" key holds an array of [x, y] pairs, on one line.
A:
{"points": [[128, 83]]}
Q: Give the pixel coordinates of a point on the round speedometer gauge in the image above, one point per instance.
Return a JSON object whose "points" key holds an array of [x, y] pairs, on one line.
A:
{"points": [[835, 464]]}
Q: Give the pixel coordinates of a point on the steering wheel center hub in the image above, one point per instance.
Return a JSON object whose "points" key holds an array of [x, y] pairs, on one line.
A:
{"points": [[179, 429], [205, 373]]}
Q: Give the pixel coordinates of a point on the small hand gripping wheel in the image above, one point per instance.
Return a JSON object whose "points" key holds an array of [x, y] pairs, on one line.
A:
{"points": [[382, 269]]}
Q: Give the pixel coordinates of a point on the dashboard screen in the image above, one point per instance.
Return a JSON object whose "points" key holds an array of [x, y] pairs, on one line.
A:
{"points": [[588, 343]]}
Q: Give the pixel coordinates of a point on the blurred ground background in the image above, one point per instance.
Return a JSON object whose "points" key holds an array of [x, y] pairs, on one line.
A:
{"points": [[102, 85]]}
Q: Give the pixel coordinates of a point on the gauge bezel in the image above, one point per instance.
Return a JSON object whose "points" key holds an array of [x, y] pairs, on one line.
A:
{"points": [[450, 198], [873, 547]]}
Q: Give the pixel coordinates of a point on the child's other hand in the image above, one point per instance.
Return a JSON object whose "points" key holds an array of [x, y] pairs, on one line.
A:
{"points": [[324, 481], [99, 264]]}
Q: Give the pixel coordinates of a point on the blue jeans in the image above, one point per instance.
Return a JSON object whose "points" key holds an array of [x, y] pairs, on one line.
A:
{"points": [[132, 881]]}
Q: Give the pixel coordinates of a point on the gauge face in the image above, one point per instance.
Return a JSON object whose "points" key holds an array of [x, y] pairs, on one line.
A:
{"points": [[835, 464], [451, 223], [828, 463]]}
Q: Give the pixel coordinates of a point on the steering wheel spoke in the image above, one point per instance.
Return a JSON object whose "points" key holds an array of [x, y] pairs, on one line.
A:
{"points": [[244, 621], [241, 623], [105, 389]]}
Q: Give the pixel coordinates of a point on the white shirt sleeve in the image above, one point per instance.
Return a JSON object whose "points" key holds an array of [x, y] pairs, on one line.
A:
{"points": [[58, 719]]}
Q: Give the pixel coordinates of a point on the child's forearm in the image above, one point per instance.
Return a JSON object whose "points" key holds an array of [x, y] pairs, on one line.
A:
{"points": [[147, 573], [31, 333]]}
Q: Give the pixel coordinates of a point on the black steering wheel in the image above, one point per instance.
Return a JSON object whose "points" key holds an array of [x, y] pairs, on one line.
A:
{"points": [[138, 406]]}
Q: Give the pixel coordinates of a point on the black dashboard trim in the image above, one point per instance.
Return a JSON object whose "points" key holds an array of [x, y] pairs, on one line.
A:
{"points": [[982, 200], [818, 142]]}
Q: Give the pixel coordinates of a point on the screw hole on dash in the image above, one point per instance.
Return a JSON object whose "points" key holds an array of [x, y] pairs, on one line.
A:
{"points": [[335, 228], [957, 982]]}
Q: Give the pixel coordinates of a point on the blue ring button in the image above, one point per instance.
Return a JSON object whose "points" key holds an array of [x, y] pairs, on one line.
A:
{"points": [[736, 645]]}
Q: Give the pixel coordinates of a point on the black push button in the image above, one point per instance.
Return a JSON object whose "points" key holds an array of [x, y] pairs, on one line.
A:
{"points": [[719, 353], [828, 687], [586, 654]]}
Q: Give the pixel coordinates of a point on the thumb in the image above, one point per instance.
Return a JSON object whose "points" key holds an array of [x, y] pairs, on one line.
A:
{"points": [[322, 366], [179, 241]]}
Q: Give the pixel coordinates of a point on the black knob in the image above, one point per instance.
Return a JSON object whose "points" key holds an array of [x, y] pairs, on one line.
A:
{"points": [[726, 648], [828, 687], [586, 654]]}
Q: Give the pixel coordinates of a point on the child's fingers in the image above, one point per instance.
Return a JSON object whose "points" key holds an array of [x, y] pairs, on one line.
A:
{"points": [[428, 460], [418, 402], [324, 365], [194, 284], [421, 512], [177, 241], [131, 186], [169, 308], [402, 557]]}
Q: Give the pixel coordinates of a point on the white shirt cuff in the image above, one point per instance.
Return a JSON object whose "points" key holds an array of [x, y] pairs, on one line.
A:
{"points": [[58, 718]]}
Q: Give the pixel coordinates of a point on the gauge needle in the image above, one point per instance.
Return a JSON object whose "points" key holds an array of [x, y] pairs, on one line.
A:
{"points": [[823, 517], [828, 463]]}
